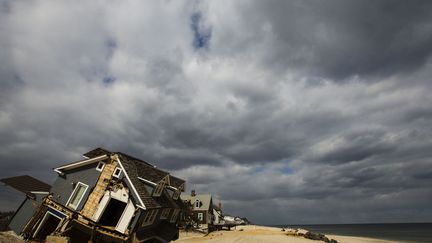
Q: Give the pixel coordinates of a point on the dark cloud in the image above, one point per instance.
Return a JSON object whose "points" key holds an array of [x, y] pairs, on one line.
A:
{"points": [[356, 147], [341, 39]]}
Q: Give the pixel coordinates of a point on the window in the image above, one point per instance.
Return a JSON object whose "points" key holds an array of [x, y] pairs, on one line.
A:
{"points": [[159, 189], [77, 195], [197, 203], [100, 166], [174, 215], [200, 216], [117, 172], [176, 194], [149, 217], [165, 213]]}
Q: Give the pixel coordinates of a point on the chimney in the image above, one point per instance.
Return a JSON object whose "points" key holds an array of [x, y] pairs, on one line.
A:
{"points": [[220, 205], [193, 194]]}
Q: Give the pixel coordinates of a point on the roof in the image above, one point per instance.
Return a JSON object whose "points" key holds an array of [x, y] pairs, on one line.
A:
{"points": [[26, 184], [136, 168], [97, 152], [177, 182], [80, 163], [131, 169], [144, 169], [166, 201], [205, 199]]}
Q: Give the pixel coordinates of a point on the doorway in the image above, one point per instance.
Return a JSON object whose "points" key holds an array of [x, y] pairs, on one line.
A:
{"points": [[47, 226], [112, 213]]}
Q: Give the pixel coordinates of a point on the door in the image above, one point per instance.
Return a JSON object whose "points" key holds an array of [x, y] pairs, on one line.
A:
{"points": [[126, 217]]}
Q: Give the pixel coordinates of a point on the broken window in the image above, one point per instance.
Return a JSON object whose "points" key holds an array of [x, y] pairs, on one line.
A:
{"points": [[112, 213], [149, 217], [165, 213], [77, 195]]}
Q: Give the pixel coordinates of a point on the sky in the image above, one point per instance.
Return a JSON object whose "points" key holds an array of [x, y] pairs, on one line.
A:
{"points": [[288, 112]]}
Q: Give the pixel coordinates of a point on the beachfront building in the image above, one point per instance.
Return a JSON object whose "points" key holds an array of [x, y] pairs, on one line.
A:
{"points": [[201, 206], [218, 218], [111, 197]]}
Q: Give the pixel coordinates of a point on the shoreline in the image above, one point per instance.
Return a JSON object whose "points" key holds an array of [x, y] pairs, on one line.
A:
{"points": [[256, 234]]}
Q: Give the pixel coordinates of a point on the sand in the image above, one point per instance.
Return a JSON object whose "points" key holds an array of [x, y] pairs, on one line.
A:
{"points": [[256, 234], [9, 237]]}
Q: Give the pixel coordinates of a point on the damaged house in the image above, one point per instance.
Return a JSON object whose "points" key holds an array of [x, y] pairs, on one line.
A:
{"points": [[108, 197]]}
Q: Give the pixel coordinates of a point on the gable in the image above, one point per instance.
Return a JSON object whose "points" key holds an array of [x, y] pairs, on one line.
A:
{"points": [[204, 199]]}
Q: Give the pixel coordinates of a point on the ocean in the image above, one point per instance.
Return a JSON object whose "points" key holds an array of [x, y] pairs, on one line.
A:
{"points": [[398, 232]]}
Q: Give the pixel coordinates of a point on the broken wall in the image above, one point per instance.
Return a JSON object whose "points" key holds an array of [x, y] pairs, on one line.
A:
{"points": [[98, 192], [22, 215]]}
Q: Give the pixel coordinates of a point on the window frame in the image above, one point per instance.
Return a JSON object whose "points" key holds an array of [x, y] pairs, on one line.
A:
{"points": [[100, 163], [165, 213], [68, 203], [149, 217], [43, 221], [159, 189], [200, 216], [117, 174]]}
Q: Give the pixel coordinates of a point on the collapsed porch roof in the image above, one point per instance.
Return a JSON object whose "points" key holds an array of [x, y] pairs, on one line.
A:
{"points": [[26, 184]]}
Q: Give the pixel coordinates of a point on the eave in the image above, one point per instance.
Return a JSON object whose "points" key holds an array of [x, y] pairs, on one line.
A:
{"points": [[80, 163]]}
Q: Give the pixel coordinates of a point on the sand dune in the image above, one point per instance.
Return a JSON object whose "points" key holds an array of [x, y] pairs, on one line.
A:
{"points": [[256, 234]]}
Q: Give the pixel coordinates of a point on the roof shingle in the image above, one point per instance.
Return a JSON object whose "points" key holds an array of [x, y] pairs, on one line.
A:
{"points": [[139, 168], [26, 184]]}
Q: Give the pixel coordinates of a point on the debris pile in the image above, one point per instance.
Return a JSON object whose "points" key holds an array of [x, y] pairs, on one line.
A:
{"points": [[308, 235]]}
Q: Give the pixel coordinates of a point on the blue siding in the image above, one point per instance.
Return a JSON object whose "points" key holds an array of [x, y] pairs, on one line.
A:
{"points": [[63, 186], [22, 215]]}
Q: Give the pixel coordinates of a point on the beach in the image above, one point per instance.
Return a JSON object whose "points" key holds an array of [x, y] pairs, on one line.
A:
{"points": [[256, 234]]}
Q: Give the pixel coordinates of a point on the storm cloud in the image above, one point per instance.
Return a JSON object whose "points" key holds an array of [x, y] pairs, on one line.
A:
{"points": [[287, 112]]}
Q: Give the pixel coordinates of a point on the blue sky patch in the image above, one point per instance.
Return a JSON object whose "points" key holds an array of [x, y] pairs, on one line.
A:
{"points": [[111, 46], [202, 34], [108, 80], [286, 170]]}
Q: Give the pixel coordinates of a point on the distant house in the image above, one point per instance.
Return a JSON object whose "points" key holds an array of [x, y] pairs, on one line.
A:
{"points": [[202, 208], [111, 197], [218, 218]]}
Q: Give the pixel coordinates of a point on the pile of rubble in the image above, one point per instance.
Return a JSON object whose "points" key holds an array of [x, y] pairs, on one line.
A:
{"points": [[308, 235]]}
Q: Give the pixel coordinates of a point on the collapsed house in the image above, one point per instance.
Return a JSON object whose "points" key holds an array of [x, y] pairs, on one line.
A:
{"points": [[107, 197]]}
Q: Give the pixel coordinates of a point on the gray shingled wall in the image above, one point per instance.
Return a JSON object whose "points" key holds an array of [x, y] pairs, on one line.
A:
{"points": [[63, 186]]}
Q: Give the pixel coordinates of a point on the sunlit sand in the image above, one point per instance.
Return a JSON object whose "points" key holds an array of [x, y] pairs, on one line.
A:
{"points": [[255, 234]]}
